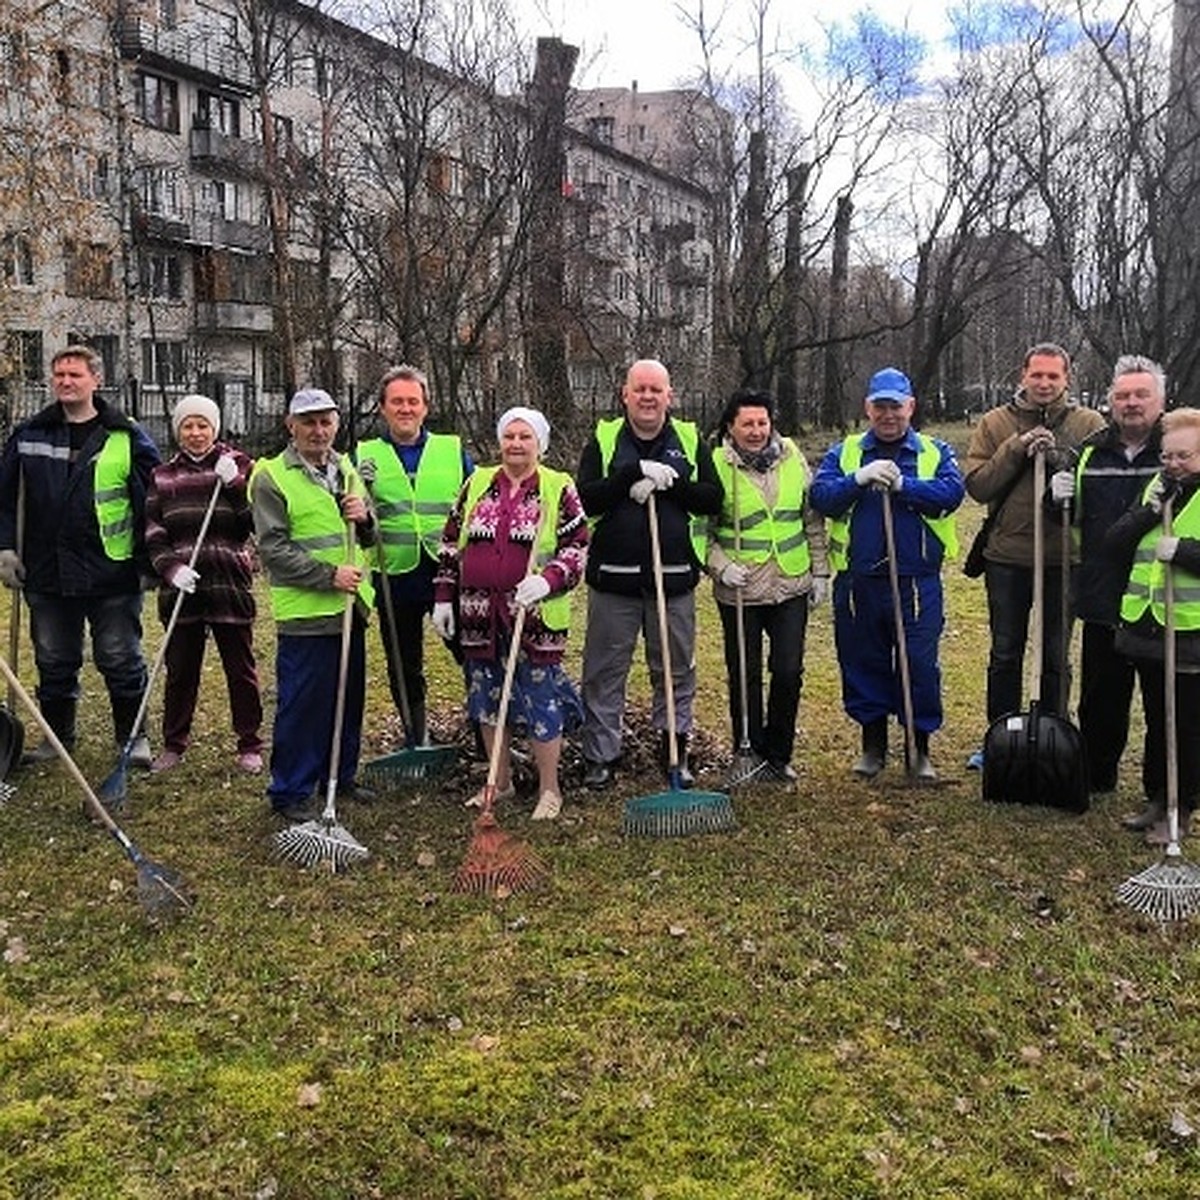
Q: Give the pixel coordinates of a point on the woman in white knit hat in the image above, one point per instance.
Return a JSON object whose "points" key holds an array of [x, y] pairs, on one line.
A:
{"points": [[217, 586]]}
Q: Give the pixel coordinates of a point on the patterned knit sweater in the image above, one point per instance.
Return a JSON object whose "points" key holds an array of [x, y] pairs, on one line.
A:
{"points": [[495, 559], [175, 505]]}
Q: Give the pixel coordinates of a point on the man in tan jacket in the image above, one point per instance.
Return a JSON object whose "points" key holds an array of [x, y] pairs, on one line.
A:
{"points": [[1040, 419]]}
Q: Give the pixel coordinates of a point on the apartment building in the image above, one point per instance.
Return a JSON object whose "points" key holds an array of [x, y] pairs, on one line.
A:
{"points": [[230, 206]]}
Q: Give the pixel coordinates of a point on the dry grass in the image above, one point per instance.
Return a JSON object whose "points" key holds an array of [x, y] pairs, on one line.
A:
{"points": [[867, 991]]}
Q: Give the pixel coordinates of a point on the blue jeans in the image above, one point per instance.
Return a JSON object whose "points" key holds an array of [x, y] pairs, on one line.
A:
{"points": [[1010, 599], [56, 623]]}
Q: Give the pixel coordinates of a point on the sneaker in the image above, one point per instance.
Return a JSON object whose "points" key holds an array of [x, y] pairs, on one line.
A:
{"points": [[139, 753], [1153, 814], [975, 762], [476, 801], [165, 761], [548, 807], [43, 752], [598, 775], [250, 761]]}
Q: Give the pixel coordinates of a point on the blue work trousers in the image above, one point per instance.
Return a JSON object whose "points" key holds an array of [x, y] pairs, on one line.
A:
{"points": [[865, 634], [306, 679]]}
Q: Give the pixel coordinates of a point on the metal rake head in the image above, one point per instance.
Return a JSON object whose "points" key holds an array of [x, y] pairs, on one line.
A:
{"points": [[746, 768], [1167, 891], [498, 863], [319, 843], [162, 892], [678, 814], [7, 791]]}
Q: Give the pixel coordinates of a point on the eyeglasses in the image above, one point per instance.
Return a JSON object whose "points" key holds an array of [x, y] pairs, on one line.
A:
{"points": [[1179, 456]]}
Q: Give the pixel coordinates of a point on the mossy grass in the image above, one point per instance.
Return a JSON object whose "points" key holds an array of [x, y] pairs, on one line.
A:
{"points": [[864, 991]]}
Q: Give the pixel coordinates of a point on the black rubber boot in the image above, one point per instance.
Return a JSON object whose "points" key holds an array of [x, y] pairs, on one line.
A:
{"points": [[686, 778], [418, 734], [60, 716], [874, 749]]}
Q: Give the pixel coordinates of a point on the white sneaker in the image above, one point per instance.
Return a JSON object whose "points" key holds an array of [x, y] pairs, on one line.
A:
{"points": [[476, 801], [548, 807]]}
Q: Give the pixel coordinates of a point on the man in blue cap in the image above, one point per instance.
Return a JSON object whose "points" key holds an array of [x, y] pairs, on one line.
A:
{"points": [[921, 476]]}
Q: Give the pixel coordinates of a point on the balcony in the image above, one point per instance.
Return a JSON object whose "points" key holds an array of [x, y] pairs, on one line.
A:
{"points": [[234, 316], [217, 231], [160, 227], [212, 148], [190, 49]]}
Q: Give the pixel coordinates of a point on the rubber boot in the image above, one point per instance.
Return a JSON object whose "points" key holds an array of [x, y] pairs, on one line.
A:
{"points": [[418, 735], [1154, 813], [922, 770], [874, 749], [60, 716], [686, 778], [125, 711]]}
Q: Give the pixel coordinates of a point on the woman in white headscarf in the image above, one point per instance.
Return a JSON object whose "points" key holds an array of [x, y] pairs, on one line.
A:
{"points": [[517, 536]]}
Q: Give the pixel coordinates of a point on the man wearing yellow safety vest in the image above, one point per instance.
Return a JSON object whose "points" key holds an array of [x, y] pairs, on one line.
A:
{"points": [[1139, 535], [73, 483], [925, 485], [417, 475], [626, 459], [311, 519]]}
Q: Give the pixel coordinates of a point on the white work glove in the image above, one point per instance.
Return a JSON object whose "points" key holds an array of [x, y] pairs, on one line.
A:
{"points": [[530, 590], [1160, 489], [1062, 486], [640, 491], [184, 579], [1037, 440], [226, 469], [443, 620], [12, 569], [662, 475], [882, 474], [734, 575], [819, 592], [367, 470], [1165, 547]]}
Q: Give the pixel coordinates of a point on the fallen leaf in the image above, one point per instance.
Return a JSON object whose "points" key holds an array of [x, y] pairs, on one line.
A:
{"points": [[676, 931], [427, 858], [15, 952], [485, 1043], [308, 1095], [454, 1024], [1125, 990], [1030, 1054], [1181, 1127]]}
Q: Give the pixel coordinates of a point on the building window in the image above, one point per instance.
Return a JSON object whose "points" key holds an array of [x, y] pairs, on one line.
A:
{"points": [[24, 353], [167, 14], [220, 113], [163, 363], [18, 260], [156, 101], [602, 129], [160, 276], [158, 188], [100, 177], [89, 270]]}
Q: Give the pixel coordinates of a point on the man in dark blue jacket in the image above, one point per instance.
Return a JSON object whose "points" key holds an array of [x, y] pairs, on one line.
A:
{"points": [[73, 481], [925, 485], [629, 457], [1110, 471]]}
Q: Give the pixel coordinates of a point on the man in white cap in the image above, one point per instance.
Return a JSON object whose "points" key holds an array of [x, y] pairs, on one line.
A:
{"points": [[311, 519], [924, 486], [74, 542], [647, 450], [414, 476]]}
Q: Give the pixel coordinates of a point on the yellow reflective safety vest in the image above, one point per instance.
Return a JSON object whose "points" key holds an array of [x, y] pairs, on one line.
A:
{"points": [[555, 610], [114, 508], [316, 525], [412, 514], [766, 532], [928, 458], [689, 438], [1147, 576]]}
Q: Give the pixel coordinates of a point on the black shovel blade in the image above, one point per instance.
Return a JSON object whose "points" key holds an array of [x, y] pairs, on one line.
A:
{"points": [[12, 741], [1035, 757]]}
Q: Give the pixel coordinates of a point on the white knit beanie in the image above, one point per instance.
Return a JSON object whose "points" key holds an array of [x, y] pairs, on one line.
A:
{"points": [[196, 406]]}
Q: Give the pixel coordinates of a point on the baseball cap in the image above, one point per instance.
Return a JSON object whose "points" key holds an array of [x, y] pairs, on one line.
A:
{"points": [[889, 385], [311, 400]]}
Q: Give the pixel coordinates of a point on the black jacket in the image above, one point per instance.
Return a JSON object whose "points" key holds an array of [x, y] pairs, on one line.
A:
{"points": [[61, 546]]}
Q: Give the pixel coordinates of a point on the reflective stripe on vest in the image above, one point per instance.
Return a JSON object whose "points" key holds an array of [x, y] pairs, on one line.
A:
{"points": [[928, 460], [689, 438], [555, 610], [766, 532], [1147, 576], [114, 508], [316, 525], [413, 516]]}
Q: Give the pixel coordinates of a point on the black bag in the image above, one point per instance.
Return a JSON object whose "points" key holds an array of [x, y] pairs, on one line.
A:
{"points": [[974, 564]]}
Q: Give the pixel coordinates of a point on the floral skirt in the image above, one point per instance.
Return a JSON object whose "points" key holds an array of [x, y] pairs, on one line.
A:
{"points": [[544, 701]]}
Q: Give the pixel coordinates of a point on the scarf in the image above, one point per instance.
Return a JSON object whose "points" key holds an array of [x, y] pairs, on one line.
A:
{"points": [[762, 460]]}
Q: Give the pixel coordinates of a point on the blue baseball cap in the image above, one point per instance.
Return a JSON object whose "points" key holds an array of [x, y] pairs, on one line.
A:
{"points": [[889, 386]]}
